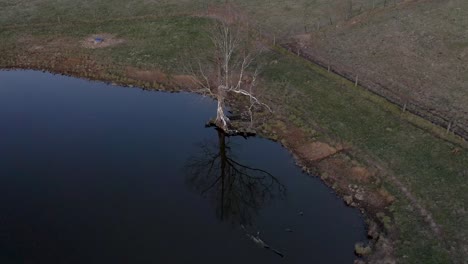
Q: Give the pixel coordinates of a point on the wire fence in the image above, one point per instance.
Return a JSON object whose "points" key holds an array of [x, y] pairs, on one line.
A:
{"points": [[458, 126]]}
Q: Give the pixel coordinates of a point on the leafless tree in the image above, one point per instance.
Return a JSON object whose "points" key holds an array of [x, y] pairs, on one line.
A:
{"points": [[230, 71], [237, 189]]}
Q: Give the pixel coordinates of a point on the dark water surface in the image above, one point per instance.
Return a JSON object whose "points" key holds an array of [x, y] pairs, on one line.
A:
{"points": [[91, 173]]}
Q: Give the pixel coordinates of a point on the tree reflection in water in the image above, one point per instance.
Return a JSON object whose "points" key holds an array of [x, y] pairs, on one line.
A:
{"points": [[237, 190]]}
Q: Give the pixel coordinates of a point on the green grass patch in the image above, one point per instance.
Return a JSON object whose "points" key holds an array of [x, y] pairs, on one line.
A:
{"points": [[167, 43]]}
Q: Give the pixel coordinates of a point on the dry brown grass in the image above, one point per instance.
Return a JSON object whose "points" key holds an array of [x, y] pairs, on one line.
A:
{"points": [[316, 151], [156, 76]]}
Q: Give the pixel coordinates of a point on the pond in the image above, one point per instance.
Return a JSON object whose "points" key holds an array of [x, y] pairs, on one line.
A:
{"points": [[95, 173]]}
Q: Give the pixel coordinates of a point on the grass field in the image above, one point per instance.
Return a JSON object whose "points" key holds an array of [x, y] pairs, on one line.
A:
{"points": [[284, 17], [418, 50], [156, 34]]}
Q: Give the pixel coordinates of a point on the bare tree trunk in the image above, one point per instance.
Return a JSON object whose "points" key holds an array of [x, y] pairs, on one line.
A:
{"points": [[223, 160], [222, 120]]}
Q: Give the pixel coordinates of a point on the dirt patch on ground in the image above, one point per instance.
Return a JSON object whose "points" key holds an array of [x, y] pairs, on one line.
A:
{"points": [[158, 77], [184, 81], [56, 54], [152, 76], [103, 40], [360, 174], [31, 43], [316, 151], [302, 39], [79, 65], [355, 183]]}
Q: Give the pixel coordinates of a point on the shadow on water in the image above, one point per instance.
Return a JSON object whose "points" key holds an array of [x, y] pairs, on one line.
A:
{"points": [[237, 190]]}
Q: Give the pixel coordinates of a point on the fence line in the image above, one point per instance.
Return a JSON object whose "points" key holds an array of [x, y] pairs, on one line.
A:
{"points": [[388, 94]]}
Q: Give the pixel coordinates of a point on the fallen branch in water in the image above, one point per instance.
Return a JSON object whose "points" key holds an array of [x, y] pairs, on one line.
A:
{"points": [[259, 242]]}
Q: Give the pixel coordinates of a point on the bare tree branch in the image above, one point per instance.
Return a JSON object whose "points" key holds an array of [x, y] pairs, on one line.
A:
{"points": [[227, 73]]}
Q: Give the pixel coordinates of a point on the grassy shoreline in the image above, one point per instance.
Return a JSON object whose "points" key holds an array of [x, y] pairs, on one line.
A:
{"points": [[426, 164], [319, 106]]}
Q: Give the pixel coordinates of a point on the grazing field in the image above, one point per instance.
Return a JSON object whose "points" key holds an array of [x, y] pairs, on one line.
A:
{"points": [[273, 14], [423, 168], [414, 53]]}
